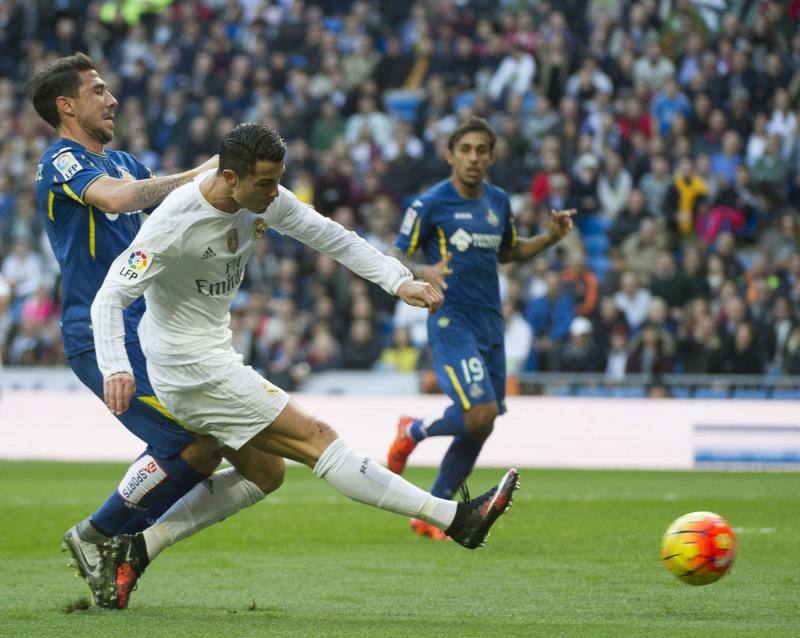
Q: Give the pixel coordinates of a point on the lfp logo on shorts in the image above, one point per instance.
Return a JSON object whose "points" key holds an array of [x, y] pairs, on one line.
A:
{"points": [[138, 261]]}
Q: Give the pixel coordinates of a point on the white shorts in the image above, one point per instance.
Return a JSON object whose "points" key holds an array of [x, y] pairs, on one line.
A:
{"points": [[219, 396]]}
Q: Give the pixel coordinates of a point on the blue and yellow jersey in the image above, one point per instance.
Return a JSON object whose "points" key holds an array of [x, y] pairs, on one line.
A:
{"points": [[85, 239], [473, 231]]}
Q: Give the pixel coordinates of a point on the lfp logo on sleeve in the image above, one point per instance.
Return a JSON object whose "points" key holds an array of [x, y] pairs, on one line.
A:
{"points": [[138, 262]]}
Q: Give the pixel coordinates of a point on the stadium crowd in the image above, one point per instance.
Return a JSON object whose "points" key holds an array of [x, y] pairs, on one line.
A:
{"points": [[673, 126]]}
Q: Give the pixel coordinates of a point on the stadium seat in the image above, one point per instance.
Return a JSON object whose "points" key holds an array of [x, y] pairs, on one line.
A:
{"points": [[711, 393], [402, 104], [599, 265], [467, 98], [629, 392], [596, 245], [679, 392], [749, 393], [786, 393], [591, 391], [592, 224]]}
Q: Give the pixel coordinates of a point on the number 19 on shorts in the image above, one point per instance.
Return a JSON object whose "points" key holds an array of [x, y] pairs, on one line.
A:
{"points": [[472, 369]]}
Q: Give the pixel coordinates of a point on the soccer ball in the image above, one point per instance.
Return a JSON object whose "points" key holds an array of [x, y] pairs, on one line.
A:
{"points": [[699, 548]]}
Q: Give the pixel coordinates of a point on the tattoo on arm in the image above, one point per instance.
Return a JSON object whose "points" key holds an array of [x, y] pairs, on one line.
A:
{"points": [[149, 192]]}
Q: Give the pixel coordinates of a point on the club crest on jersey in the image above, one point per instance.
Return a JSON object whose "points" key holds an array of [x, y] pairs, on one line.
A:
{"points": [[67, 165], [259, 229], [233, 240], [475, 391], [492, 218]]}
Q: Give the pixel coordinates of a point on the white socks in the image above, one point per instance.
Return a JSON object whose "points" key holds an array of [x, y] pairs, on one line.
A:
{"points": [[223, 493], [366, 481]]}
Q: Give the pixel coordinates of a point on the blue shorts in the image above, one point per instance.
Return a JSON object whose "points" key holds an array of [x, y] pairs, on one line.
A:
{"points": [[145, 418], [470, 368]]}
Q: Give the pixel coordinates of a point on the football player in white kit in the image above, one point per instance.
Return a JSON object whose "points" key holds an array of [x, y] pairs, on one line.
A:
{"points": [[188, 261]]}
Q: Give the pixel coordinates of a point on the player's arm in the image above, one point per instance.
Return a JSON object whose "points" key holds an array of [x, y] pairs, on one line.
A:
{"points": [[305, 224], [115, 195], [523, 248], [129, 276]]}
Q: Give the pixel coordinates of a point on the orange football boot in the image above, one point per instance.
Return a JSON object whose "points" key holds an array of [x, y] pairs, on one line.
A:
{"points": [[402, 446], [421, 528]]}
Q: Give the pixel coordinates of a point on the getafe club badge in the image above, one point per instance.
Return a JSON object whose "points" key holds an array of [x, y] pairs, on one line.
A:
{"points": [[492, 218], [233, 240], [259, 229]]}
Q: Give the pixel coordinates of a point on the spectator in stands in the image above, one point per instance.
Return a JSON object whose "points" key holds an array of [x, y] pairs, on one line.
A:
{"points": [[616, 356], [687, 192], [580, 353], [518, 338], [514, 75], [401, 356], [550, 316], [630, 218], [654, 69], [22, 269], [614, 186], [742, 355], [650, 353], [362, 347], [633, 300], [581, 282], [641, 249], [655, 184], [669, 282]]}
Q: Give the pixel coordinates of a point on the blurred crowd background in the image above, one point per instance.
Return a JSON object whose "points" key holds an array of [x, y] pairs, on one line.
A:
{"points": [[671, 125]]}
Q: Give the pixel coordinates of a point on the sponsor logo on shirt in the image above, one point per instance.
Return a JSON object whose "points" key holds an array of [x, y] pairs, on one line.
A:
{"points": [[492, 218], [234, 276], [462, 240], [67, 165], [463, 215], [208, 254]]}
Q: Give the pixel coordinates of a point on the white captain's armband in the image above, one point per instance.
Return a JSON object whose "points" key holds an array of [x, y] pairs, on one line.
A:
{"points": [[67, 164], [408, 221]]}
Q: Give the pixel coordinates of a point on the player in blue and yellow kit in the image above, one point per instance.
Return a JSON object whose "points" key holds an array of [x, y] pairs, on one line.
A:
{"points": [[91, 200], [464, 227]]}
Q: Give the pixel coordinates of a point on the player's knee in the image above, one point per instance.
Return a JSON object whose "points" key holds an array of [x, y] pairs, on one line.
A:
{"points": [[202, 454], [480, 420], [321, 433], [270, 477]]}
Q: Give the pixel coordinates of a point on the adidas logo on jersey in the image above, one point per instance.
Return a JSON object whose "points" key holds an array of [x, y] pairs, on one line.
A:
{"points": [[208, 254]]}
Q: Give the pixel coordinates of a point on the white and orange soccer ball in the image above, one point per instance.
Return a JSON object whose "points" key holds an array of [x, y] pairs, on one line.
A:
{"points": [[699, 548]]}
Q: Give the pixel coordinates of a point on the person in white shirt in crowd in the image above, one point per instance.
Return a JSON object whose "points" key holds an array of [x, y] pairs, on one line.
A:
{"points": [[515, 74], [202, 381], [633, 300], [518, 338]]}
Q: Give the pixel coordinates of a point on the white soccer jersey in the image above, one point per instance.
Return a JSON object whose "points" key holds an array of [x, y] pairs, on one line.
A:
{"points": [[188, 260]]}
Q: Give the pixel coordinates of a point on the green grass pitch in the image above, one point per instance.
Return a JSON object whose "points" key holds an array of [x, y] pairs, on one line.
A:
{"points": [[576, 556]]}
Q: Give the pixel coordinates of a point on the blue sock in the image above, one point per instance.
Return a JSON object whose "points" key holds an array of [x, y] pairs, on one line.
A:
{"points": [[456, 465], [150, 487], [451, 423]]}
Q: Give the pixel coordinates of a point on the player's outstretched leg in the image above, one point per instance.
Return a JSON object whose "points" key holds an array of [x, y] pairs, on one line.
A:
{"points": [[297, 435]]}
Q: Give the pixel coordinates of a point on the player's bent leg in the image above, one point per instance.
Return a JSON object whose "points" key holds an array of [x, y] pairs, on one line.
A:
{"points": [[219, 496]]}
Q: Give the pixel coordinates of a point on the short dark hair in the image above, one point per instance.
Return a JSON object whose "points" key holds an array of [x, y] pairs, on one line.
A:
{"points": [[248, 143], [62, 77], [472, 125]]}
